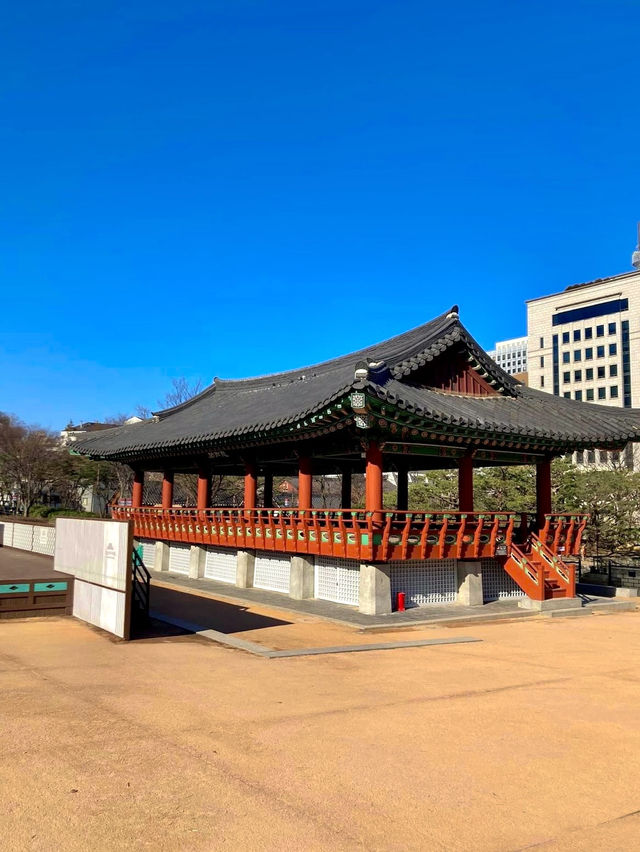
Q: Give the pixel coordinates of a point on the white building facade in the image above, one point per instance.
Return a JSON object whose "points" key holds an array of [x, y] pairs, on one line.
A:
{"points": [[511, 355], [584, 344]]}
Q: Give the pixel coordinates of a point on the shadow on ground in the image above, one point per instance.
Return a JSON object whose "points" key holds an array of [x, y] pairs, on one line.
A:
{"points": [[205, 612]]}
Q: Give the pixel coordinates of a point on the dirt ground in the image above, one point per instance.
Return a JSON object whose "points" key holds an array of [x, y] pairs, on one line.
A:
{"points": [[530, 738]]}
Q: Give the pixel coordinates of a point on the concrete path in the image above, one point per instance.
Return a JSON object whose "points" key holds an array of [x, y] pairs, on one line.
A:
{"points": [[529, 738], [23, 565]]}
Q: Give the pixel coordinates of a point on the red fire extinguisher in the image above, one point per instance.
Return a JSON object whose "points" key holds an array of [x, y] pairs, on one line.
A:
{"points": [[400, 602]]}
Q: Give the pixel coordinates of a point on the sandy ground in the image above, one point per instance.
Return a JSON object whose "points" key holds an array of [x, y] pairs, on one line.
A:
{"points": [[528, 738]]}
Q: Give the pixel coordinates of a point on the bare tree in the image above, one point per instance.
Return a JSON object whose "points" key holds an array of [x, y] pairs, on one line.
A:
{"points": [[180, 392], [28, 455]]}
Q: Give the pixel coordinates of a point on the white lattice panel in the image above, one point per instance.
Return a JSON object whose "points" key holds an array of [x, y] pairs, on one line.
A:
{"points": [[6, 534], [425, 581], [147, 546], [337, 580], [272, 573], [220, 564], [23, 536], [179, 558], [497, 584], [44, 540]]}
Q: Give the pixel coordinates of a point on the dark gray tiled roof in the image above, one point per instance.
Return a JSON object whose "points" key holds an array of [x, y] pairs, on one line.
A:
{"points": [[229, 409]]}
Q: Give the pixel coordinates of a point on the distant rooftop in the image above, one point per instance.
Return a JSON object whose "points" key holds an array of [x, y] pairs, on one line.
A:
{"points": [[620, 276]]}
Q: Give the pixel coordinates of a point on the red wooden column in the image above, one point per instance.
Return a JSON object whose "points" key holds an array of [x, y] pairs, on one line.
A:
{"points": [[465, 484], [204, 487], [138, 489], [402, 496], [305, 483], [167, 489], [250, 485], [543, 491], [345, 499], [373, 481], [267, 493]]}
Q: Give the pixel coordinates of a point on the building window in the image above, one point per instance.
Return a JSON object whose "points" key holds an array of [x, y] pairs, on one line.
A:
{"points": [[602, 393], [578, 396], [613, 349], [600, 351], [577, 354], [601, 372], [591, 456], [589, 394], [542, 343], [565, 337], [613, 392], [541, 381], [590, 312], [542, 360], [576, 335], [566, 358], [566, 377], [577, 375], [567, 394], [588, 376], [612, 328], [588, 353], [556, 365], [599, 331], [588, 333], [613, 371], [614, 456]]}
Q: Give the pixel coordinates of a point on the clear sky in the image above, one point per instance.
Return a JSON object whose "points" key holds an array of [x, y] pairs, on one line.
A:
{"points": [[231, 188]]}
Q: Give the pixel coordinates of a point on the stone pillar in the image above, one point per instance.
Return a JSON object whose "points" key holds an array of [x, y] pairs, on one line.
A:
{"points": [[402, 500], [267, 493], [543, 491], [302, 577], [465, 484], [138, 489], [469, 583], [167, 489], [305, 483], [161, 558], [250, 486], [197, 555], [204, 488], [345, 500], [375, 589], [245, 566]]}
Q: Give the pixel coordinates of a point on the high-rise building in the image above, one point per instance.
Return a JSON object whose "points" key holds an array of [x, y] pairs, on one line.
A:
{"points": [[511, 355], [584, 343]]}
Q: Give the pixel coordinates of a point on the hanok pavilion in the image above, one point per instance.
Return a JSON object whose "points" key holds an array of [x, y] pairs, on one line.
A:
{"points": [[430, 398]]}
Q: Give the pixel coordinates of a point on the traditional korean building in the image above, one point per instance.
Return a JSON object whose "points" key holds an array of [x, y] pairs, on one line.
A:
{"points": [[430, 398]]}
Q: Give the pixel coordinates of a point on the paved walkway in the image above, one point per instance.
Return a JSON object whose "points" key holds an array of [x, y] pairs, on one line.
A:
{"points": [[427, 615], [23, 565]]}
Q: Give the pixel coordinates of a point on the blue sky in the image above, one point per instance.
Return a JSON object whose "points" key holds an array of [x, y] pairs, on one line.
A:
{"points": [[231, 188]]}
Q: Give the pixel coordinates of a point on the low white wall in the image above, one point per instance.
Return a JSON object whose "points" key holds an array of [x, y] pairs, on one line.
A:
{"points": [[37, 538], [99, 554]]}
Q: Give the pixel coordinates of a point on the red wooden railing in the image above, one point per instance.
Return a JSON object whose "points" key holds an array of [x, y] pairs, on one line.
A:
{"points": [[355, 534]]}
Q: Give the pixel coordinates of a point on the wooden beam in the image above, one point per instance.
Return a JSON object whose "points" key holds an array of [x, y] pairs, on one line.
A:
{"points": [[250, 485], [465, 484], [543, 491], [373, 481], [204, 487], [305, 483], [167, 489], [138, 489]]}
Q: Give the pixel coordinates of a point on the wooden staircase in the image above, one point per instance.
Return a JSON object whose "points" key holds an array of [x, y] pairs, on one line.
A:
{"points": [[539, 572]]}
